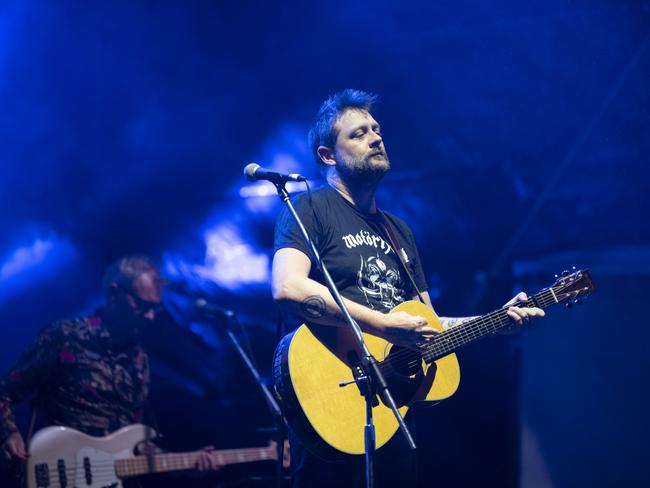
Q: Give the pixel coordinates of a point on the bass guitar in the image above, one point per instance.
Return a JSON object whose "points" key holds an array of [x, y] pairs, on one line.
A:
{"points": [[62, 457], [315, 368]]}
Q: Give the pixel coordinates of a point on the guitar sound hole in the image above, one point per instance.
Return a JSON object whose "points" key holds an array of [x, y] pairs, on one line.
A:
{"points": [[405, 362], [405, 374]]}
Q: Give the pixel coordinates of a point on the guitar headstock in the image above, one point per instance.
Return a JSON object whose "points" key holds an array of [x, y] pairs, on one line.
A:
{"points": [[572, 286]]}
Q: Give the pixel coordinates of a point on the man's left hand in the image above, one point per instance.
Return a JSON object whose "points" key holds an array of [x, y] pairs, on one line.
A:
{"points": [[522, 315]]}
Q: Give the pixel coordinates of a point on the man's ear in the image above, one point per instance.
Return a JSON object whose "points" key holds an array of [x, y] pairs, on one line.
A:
{"points": [[326, 155]]}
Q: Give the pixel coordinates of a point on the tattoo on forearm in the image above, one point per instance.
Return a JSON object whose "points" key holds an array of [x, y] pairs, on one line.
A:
{"points": [[313, 307], [448, 323]]}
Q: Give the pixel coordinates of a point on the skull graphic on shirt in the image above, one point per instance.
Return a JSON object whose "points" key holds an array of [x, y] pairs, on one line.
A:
{"points": [[379, 283]]}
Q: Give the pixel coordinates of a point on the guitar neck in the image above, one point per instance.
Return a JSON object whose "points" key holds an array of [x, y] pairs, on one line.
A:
{"points": [[472, 330], [162, 463]]}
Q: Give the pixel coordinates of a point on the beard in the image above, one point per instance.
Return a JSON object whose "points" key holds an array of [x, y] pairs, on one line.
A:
{"points": [[128, 328], [369, 169]]}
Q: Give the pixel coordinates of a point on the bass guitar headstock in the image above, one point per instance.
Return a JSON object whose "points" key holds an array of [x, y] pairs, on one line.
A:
{"points": [[572, 286]]}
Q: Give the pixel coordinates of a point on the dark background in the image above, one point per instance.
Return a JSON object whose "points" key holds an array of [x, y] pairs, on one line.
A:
{"points": [[518, 133]]}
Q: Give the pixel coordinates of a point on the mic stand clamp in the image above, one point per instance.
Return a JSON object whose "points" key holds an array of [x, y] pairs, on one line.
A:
{"points": [[371, 382]]}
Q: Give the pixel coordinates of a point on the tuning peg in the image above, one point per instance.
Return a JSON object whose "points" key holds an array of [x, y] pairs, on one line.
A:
{"points": [[556, 276], [577, 301], [569, 304], [565, 273]]}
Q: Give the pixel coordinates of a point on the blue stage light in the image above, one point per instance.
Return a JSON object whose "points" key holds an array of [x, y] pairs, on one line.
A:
{"points": [[31, 263]]}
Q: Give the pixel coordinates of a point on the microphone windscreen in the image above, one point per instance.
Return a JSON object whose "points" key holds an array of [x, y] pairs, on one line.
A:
{"points": [[249, 171]]}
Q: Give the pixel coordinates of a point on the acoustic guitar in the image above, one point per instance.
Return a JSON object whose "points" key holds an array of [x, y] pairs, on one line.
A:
{"points": [[315, 368]]}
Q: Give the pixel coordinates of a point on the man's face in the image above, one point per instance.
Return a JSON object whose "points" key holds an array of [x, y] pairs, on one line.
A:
{"points": [[137, 305], [359, 148]]}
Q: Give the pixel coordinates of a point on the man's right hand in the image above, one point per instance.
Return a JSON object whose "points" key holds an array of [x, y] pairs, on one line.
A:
{"points": [[404, 329], [14, 448]]}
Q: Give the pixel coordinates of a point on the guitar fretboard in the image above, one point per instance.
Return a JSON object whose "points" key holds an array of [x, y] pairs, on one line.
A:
{"points": [[450, 340], [161, 463]]}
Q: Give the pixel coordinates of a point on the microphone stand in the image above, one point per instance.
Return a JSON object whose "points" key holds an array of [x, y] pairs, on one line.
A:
{"points": [[371, 382], [276, 413]]}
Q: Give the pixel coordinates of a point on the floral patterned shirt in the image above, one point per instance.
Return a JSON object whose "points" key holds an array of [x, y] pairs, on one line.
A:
{"points": [[78, 380]]}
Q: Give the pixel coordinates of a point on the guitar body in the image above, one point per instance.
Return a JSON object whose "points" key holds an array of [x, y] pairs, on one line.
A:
{"points": [[60, 456], [311, 362]]}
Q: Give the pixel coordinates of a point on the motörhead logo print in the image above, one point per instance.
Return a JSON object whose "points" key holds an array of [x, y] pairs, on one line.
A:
{"points": [[365, 238]]}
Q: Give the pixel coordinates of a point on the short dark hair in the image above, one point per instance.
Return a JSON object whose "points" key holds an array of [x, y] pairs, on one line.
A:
{"points": [[126, 269], [322, 133]]}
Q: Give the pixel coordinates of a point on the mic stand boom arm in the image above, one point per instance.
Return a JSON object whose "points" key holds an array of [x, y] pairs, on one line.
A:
{"points": [[372, 378]]}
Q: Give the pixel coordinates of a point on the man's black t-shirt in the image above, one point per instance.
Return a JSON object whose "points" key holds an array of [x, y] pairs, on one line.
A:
{"points": [[366, 270], [355, 249]]}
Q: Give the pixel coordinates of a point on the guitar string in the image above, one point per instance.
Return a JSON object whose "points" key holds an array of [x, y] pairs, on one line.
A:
{"points": [[106, 470], [412, 358], [172, 461], [445, 342], [103, 473], [452, 338], [449, 340], [166, 459]]}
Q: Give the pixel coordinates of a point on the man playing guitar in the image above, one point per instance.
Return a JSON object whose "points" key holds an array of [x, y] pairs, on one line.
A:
{"points": [[350, 233], [90, 373]]}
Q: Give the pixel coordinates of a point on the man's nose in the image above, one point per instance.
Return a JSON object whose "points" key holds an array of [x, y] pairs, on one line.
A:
{"points": [[375, 139]]}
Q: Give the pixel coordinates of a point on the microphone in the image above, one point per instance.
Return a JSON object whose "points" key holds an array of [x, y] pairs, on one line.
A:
{"points": [[254, 172], [208, 309]]}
